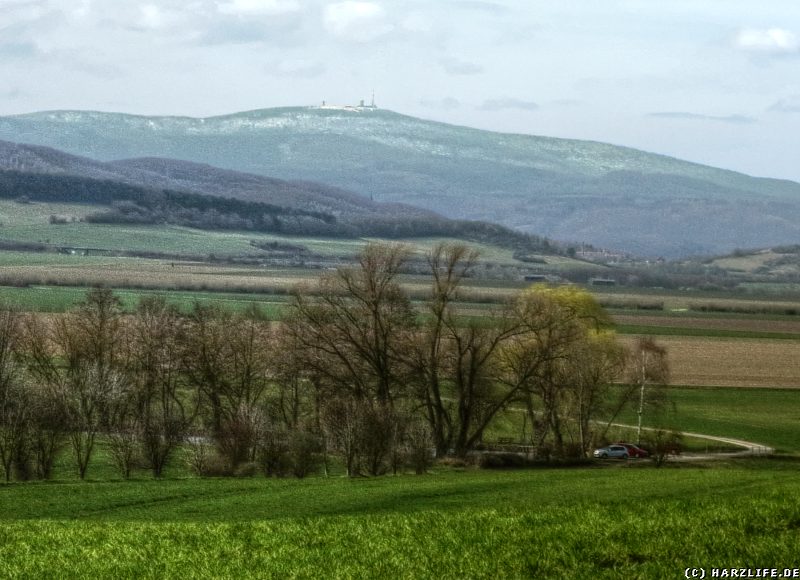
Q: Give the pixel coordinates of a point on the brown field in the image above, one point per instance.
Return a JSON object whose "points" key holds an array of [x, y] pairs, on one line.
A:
{"points": [[159, 275], [704, 361], [739, 324]]}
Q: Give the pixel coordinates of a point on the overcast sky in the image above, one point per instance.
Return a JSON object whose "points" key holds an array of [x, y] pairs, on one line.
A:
{"points": [[713, 81]]}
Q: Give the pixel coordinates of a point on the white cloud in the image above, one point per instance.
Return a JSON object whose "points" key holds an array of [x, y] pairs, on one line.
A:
{"points": [[788, 105], [151, 16], [688, 116], [356, 21], [445, 104], [15, 11], [257, 7], [455, 66], [508, 103], [770, 40], [296, 68]]}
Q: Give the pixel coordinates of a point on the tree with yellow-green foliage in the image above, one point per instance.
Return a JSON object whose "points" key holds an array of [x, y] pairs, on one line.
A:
{"points": [[561, 365]]}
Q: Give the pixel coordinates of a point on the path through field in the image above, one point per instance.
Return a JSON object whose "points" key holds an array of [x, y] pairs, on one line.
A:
{"points": [[748, 447]]}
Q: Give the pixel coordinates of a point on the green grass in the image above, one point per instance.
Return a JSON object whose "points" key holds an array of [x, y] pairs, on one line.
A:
{"points": [[766, 416], [606, 523], [61, 299]]}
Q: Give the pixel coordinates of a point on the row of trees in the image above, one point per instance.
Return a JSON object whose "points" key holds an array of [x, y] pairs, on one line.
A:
{"points": [[353, 370]]}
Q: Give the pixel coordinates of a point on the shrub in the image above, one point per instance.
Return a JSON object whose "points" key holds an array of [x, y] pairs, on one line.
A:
{"points": [[273, 453], [304, 452]]}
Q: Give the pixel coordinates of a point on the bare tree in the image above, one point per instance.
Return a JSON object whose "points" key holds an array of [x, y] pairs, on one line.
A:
{"points": [[472, 364], [49, 427], [163, 411], [649, 370], [14, 406], [352, 328], [227, 361], [79, 359], [449, 264], [341, 420], [594, 364]]}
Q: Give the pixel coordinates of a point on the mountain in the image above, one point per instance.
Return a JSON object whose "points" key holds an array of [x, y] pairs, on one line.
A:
{"points": [[169, 191], [570, 190], [160, 173]]}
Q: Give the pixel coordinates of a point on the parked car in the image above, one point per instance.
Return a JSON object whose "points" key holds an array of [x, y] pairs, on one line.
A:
{"points": [[613, 451], [635, 450]]}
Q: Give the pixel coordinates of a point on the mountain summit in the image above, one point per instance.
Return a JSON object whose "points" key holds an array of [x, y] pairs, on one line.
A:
{"points": [[565, 189]]}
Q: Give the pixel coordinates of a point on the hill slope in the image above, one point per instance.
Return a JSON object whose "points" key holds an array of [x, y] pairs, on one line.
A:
{"points": [[564, 189], [168, 191]]}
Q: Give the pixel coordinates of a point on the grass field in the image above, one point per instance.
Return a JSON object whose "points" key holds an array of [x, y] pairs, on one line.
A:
{"points": [[555, 523], [31, 223], [767, 416]]}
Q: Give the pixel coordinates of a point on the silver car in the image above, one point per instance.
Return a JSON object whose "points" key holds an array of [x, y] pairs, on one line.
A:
{"points": [[618, 451]]}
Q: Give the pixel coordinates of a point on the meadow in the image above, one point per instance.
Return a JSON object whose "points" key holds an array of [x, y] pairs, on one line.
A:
{"points": [[613, 519], [620, 521]]}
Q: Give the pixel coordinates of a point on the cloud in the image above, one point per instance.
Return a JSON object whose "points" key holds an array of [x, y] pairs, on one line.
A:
{"points": [[788, 105], [565, 103], [13, 12], [479, 5], [284, 29], [19, 50], [301, 69], [767, 41], [454, 66], [445, 104], [14, 94], [734, 119], [356, 21], [508, 103], [257, 7], [152, 17]]}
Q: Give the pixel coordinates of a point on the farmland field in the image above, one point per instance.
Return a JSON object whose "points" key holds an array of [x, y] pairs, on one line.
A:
{"points": [[553, 523], [750, 324], [703, 361]]}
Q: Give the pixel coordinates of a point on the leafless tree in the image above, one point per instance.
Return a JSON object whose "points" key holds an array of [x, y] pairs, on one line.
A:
{"points": [[448, 264], [649, 371], [14, 406], [352, 328], [227, 360], [162, 408], [79, 359]]}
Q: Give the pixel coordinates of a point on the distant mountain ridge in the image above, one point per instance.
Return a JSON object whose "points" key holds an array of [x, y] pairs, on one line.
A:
{"points": [[565, 189], [168, 191], [199, 178]]}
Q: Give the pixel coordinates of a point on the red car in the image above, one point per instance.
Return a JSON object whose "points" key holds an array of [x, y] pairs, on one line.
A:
{"points": [[634, 451]]}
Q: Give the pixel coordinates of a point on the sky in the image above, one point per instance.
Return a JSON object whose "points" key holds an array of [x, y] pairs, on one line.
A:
{"points": [[711, 81]]}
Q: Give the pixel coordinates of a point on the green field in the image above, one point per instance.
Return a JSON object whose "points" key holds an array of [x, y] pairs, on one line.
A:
{"points": [[765, 416], [609, 523], [604, 519], [61, 299]]}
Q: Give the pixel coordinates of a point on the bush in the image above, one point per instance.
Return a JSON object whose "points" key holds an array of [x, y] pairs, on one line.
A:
{"points": [[202, 460], [661, 443], [304, 453], [273, 453], [503, 461], [248, 469], [418, 446]]}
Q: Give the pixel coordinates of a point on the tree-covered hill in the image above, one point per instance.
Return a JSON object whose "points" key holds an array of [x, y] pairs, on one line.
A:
{"points": [[565, 189]]}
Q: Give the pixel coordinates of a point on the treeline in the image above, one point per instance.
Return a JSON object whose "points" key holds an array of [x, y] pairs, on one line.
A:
{"points": [[131, 204], [352, 373]]}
